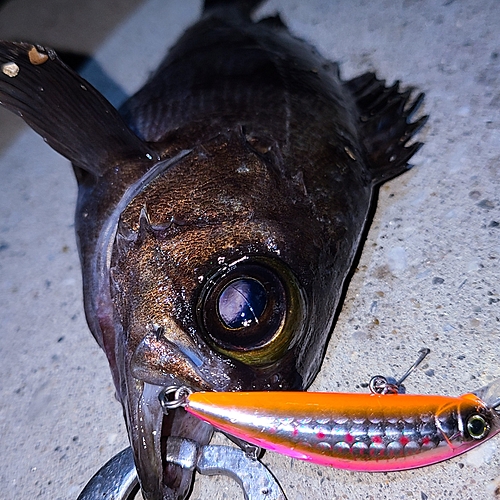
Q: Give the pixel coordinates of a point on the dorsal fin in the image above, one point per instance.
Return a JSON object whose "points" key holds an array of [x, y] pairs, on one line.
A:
{"points": [[70, 114], [385, 126], [273, 22], [246, 7]]}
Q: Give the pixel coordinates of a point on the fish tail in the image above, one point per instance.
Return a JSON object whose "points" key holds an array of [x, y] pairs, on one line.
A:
{"points": [[246, 7]]}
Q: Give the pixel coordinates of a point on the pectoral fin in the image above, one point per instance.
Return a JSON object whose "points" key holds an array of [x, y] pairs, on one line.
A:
{"points": [[71, 115]]}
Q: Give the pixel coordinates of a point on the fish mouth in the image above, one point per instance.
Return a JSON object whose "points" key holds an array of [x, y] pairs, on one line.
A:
{"points": [[157, 363], [160, 478]]}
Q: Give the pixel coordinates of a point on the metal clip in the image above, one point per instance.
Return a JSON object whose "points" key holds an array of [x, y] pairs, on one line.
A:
{"points": [[173, 397], [117, 480]]}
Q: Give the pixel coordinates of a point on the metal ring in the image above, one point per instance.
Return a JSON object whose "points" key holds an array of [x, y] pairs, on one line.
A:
{"points": [[378, 384], [180, 395]]}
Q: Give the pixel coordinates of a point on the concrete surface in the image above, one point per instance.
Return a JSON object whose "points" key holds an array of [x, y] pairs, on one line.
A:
{"points": [[429, 274]]}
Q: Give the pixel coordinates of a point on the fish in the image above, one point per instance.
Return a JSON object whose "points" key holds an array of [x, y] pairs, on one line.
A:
{"points": [[220, 211]]}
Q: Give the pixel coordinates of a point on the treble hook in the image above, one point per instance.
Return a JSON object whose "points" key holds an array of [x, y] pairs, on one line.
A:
{"points": [[381, 385]]}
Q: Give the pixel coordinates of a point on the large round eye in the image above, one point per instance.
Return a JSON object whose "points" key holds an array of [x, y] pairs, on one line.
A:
{"points": [[242, 303], [249, 310], [477, 427]]}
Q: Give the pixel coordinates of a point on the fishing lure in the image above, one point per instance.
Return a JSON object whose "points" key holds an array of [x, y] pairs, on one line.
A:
{"points": [[378, 432]]}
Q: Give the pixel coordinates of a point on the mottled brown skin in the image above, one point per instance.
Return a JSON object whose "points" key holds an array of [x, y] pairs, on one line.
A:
{"points": [[245, 147], [215, 220]]}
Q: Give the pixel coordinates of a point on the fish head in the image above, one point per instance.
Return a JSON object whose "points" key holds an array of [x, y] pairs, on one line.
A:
{"points": [[216, 284]]}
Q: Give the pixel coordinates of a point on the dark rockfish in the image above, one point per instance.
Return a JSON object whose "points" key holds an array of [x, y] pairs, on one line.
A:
{"points": [[218, 214]]}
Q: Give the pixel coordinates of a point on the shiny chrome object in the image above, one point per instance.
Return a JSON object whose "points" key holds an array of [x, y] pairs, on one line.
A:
{"points": [[117, 480]]}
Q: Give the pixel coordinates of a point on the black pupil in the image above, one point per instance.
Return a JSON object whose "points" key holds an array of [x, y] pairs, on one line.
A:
{"points": [[242, 303], [476, 427]]}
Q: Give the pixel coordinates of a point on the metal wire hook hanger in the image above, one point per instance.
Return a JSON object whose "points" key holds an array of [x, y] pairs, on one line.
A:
{"points": [[382, 385]]}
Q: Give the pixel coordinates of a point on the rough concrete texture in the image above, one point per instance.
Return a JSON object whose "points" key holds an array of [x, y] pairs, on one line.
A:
{"points": [[429, 274]]}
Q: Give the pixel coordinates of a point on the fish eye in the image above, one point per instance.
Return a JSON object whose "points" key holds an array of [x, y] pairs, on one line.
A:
{"points": [[477, 427], [249, 310], [241, 303]]}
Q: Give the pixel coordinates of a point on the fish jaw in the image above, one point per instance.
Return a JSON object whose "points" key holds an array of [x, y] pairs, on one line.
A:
{"points": [[157, 362], [149, 429]]}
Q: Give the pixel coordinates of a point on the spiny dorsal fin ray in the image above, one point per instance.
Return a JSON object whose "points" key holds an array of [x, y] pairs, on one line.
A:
{"points": [[244, 6], [385, 127], [72, 116]]}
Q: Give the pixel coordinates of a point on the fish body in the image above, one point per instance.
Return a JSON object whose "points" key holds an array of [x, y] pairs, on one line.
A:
{"points": [[358, 432], [219, 213]]}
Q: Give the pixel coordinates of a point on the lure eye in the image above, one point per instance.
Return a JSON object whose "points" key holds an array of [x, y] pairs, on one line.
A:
{"points": [[477, 427], [248, 311]]}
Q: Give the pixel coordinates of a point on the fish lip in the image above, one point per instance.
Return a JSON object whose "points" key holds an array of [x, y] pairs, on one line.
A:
{"points": [[158, 362], [159, 479], [144, 426]]}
